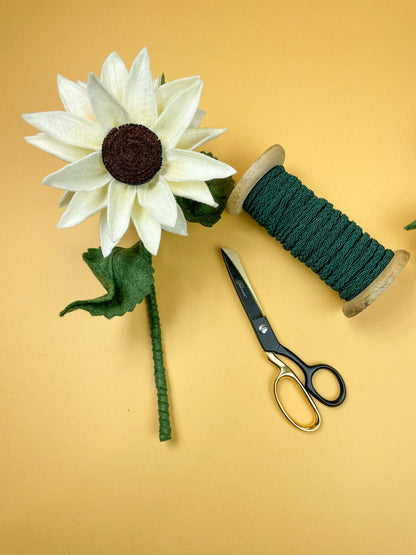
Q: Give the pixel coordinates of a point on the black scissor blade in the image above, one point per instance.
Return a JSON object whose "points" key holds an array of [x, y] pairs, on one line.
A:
{"points": [[249, 301], [241, 284]]}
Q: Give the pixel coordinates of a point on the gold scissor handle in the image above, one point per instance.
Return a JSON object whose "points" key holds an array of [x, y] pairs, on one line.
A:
{"points": [[286, 373]]}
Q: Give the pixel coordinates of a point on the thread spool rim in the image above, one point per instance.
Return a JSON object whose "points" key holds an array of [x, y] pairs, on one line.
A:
{"points": [[272, 157], [373, 291]]}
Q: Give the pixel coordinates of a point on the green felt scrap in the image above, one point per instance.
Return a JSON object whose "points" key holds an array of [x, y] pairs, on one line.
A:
{"points": [[411, 226], [203, 213], [126, 274]]}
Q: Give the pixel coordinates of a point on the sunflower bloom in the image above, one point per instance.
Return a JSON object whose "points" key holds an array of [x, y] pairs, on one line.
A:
{"points": [[130, 146]]}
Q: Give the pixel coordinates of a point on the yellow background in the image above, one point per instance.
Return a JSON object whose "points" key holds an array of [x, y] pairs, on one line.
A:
{"points": [[82, 470]]}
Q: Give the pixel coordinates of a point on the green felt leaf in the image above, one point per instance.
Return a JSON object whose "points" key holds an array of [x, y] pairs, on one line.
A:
{"points": [[202, 213], [411, 226], [126, 274]]}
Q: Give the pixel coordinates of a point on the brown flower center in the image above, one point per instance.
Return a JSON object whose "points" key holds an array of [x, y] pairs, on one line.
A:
{"points": [[132, 153]]}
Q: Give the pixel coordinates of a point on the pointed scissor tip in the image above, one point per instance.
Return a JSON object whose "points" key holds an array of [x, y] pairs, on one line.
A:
{"points": [[226, 251], [225, 254]]}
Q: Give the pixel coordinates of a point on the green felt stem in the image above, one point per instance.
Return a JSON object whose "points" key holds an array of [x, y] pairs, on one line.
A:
{"points": [[159, 368]]}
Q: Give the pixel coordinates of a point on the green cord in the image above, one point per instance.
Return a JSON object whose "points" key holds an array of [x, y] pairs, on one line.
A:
{"points": [[159, 368], [323, 238]]}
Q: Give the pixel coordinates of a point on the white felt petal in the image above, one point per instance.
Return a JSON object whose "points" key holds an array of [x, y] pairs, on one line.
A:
{"points": [[120, 203], [172, 122], [65, 152], [139, 95], [156, 82], [68, 128], [186, 165], [194, 190], [107, 109], [165, 93], [107, 244], [82, 206], [114, 75], [196, 122], [194, 138], [157, 198], [86, 174], [65, 200], [181, 226], [74, 97], [147, 227]]}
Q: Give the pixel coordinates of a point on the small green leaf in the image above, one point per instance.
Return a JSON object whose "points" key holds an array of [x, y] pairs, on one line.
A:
{"points": [[411, 226], [202, 213], [126, 274], [162, 79]]}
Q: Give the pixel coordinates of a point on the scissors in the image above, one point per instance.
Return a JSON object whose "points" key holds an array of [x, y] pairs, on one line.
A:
{"points": [[272, 347]]}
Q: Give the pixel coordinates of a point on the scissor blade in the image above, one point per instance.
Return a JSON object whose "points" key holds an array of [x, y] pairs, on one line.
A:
{"points": [[241, 284], [250, 302]]}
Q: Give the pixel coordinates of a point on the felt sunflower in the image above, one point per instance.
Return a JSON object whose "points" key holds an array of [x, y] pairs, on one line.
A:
{"points": [[130, 142], [131, 147]]}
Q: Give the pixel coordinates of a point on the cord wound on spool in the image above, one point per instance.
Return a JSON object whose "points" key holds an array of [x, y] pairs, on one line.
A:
{"points": [[352, 263]]}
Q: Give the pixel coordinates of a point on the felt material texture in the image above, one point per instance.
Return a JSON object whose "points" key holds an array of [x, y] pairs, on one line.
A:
{"points": [[145, 133], [205, 214], [126, 274], [132, 153], [159, 367]]}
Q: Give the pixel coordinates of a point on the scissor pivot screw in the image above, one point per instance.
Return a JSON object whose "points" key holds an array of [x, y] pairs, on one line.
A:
{"points": [[263, 328]]}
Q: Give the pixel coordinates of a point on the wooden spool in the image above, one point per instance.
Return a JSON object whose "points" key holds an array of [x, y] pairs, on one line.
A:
{"points": [[275, 156]]}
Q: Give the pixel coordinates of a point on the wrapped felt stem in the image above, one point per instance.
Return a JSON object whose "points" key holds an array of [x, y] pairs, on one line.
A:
{"points": [[127, 274], [159, 368]]}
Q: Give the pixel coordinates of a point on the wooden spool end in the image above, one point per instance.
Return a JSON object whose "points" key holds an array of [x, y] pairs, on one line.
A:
{"points": [[382, 281], [275, 156]]}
